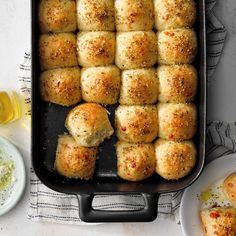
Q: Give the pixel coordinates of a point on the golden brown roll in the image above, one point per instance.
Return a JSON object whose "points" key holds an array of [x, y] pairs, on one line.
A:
{"points": [[135, 49], [136, 124], [100, 84], [174, 160], [94, 15], [219, 221], [176, 46], [229, 188], [177, 83], [138, 87], [96, 48], [57, 16], [177, 121], [171, 14], [57, 50], [89, 125], [73, 160], [134, 15], [135, 162], [61, 86]]}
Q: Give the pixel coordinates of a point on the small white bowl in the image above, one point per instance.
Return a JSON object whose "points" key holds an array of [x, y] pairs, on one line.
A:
{"points": [[13, 154]]}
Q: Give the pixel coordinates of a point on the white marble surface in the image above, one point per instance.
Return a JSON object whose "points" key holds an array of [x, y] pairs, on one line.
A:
{"points": [[15, 40]]}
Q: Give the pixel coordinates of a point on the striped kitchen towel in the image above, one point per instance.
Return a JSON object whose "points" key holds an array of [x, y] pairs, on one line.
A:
{"points": [[216, 34], [47, 205], [24, 78], [221, 140]]}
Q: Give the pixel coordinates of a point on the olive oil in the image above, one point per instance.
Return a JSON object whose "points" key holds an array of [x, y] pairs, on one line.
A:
{"points": [[6, 170], [9, 107]]}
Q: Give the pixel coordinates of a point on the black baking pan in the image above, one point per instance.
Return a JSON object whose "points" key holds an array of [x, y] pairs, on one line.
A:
{"points": [[48, 122]]}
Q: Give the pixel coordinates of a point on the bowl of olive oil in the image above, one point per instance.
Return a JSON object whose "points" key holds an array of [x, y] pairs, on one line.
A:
{"points": [[10, 108]]}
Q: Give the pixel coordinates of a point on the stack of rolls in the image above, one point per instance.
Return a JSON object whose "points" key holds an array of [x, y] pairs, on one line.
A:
{"points": [[59, 81], [137, 53], [61, 53], [136, 116], [173, 86], [177, 79], [60, 77]]}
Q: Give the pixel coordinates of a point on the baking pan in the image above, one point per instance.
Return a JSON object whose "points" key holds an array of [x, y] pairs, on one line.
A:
{"points": [[48, 122]]}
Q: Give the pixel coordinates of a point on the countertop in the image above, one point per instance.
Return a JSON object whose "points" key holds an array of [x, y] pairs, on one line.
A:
{"points": [[15, 40]]}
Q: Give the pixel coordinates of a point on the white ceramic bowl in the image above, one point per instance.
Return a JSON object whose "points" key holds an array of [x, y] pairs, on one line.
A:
{"points": [[10, 151]]}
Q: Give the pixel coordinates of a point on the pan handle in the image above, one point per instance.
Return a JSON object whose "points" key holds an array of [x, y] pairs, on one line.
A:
{"points": [[88, 214]]}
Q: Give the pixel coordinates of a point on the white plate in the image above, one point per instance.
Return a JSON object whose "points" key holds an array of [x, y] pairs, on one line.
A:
{"points": [[191, 205], [9, 151]]}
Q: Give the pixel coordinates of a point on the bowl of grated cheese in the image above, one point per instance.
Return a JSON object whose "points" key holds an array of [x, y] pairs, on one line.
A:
{"points": [[12, 176]]}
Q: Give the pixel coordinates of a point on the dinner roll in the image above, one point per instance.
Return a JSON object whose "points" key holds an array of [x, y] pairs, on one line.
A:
{"points": [[138, 87], [73, 160], [177, 121], [61, 86], [135, 162], [57, 16], [171, 14], [176, 46], [134, 15], [89, 125], [94, 15], [57, 50], [177, 83], [96, 48], [229, 187], [219, 221], [174, 160], [136, 124], [135, 49], [100, 84]]}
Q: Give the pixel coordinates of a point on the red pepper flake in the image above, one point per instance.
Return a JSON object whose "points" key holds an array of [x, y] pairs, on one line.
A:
{"points": [[86, 155], [229, 214], [133, 164], [215, 214], [189, 94], [171, 136], [169, 33], [231, 185], [123, 128]]}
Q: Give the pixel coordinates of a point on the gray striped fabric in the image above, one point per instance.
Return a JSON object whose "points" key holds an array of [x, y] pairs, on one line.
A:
{"points": [[24, 78], [221, 139], [216, 34], [47, 205]]}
